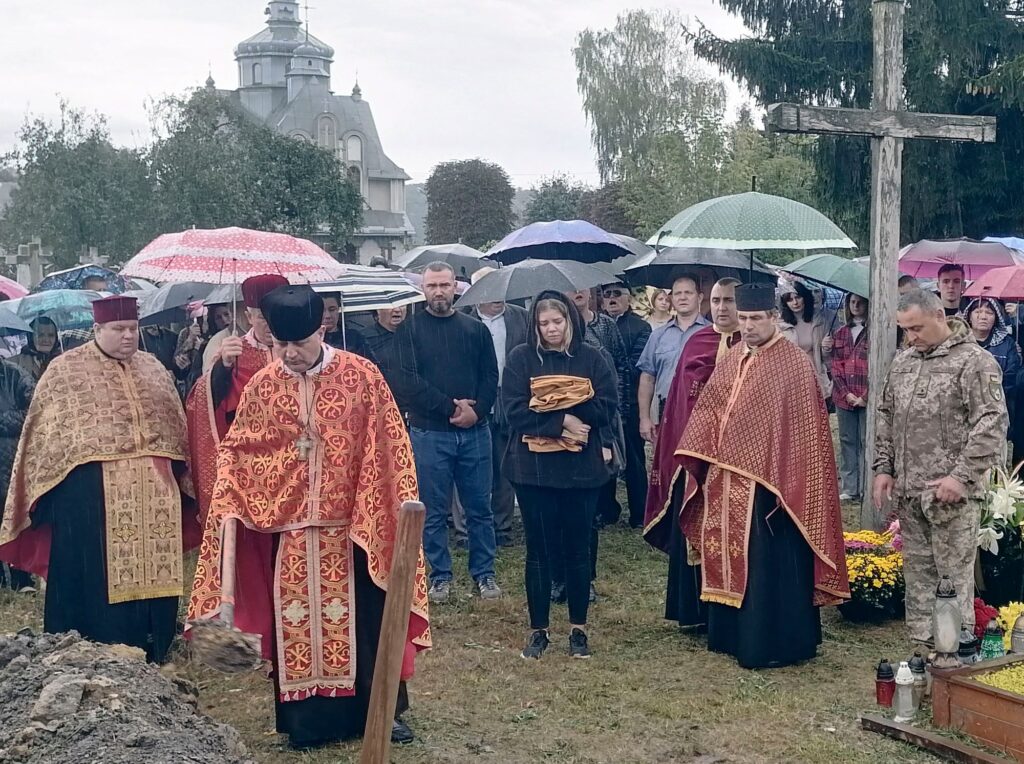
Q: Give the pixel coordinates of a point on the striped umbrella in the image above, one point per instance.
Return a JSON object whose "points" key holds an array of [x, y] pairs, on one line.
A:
{"points": [[231, 255], [371, 290]]}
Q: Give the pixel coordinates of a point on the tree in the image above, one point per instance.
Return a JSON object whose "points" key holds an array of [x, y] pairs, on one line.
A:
{"points": [[556, 198], [76, 190], [960, 57], [469, 201], [214, 167], [639, 82], [604, 208]]}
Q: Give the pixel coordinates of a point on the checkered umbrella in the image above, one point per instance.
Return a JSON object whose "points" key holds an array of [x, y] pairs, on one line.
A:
{"points": [[231, 255]]}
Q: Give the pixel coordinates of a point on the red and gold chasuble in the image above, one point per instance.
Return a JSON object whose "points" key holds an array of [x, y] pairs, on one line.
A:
{"points": [[208, 424], [323, 461], [761, 421], [89, 407]]}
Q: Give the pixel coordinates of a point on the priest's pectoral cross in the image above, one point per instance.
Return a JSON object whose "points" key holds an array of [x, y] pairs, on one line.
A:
{"points": [[304, 444]]}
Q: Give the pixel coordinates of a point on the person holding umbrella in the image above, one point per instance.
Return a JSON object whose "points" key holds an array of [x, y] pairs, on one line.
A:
{"points": [[850, 393], [559, 392], [803, 325], [42, 347]]}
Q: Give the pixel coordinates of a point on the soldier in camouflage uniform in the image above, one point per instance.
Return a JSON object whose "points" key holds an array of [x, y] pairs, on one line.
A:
{"points": [[941, 427]]}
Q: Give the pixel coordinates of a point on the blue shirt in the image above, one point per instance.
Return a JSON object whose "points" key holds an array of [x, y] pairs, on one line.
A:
{"points": [[662, 351]]}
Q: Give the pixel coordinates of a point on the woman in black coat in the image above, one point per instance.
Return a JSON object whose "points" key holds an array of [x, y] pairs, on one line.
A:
{"points": [[559, 468]]}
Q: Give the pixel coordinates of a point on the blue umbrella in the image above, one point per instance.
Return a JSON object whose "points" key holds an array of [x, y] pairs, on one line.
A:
{"points": [[575, 240], [68, 308], [73, 278]]}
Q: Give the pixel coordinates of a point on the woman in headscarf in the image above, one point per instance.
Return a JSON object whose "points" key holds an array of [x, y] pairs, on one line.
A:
{"points": [[559, 393], [988, 323], [802, 324], [43, 346]]}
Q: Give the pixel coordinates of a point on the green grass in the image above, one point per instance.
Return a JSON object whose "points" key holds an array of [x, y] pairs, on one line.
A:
{"points": [[650, 694]]}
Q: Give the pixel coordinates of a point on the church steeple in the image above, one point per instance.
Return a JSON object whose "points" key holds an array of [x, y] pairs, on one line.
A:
{"points": [[283, 12]]}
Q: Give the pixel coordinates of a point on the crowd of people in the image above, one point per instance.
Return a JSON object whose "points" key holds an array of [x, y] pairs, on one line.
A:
{"points": [[303, 431]]}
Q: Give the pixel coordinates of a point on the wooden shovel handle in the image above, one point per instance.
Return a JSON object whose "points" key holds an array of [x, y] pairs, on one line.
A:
{"points": [[227, 572]]}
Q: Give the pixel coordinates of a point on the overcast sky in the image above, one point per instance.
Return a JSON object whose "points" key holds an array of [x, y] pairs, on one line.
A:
{"points": [[447, 79]]}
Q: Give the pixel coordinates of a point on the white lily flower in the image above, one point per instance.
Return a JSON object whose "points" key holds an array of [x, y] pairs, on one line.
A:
{"points": [[988, 539]]}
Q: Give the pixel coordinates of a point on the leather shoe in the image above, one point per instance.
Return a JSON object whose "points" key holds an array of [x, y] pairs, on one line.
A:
{"points": [[401, 733]]}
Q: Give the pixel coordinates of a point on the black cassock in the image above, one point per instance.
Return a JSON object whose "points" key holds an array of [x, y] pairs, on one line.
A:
{"points": [[319, 720], [76, 587], [778, 624], [682, 596]]}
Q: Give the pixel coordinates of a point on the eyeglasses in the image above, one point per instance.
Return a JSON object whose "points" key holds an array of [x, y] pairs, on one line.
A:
{"points": [[614, 293]]}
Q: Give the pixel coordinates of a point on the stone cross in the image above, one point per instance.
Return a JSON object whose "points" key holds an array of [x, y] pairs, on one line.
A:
{"points": [[887, 123], [30, 261], [92, 257]]}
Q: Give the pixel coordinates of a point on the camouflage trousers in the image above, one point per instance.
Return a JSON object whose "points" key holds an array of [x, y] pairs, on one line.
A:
{"points": [[938, 540]]}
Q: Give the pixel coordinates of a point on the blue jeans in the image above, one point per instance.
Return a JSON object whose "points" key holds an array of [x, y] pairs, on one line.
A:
{"points": [[461, 459]]}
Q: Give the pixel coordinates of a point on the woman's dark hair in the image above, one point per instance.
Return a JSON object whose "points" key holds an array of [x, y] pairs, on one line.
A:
{"points": [[807, 314], [846, 308], [990, 304]]}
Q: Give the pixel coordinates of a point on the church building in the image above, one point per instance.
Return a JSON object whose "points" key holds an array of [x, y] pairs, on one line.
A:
{"points": [[284, 78]]}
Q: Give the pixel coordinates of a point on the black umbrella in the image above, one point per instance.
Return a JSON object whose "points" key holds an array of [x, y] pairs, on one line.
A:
{"points": [[531, 277], [660, 269], [167, 304], [465, 260], [575, 240]]}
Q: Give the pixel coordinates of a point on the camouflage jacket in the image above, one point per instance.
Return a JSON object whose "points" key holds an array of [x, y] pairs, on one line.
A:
{"points": [[942, 413]]}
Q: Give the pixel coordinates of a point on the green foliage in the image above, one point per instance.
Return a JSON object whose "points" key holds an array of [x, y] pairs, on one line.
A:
{"points": [[638, 81], [556, 198], [75, 190], [468, 201], [962, 57], [604, 207], [215, 168], [209, 166]]}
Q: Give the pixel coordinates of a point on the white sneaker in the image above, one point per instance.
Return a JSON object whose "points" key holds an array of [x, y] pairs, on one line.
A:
{"points": [[845, 497]]}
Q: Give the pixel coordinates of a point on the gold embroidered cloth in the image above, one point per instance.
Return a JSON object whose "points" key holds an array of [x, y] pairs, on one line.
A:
{"points": [[761, 420], [348, 491], [89, 407], [557, 392]]}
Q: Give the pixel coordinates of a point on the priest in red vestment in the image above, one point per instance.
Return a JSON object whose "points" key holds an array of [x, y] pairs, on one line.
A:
{"points": [[763, 507], [316, 463], [94, 504], [211, 404], [665, 494]]}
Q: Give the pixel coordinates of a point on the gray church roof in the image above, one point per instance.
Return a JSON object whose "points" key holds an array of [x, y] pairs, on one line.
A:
{"points": [[352, 115]]}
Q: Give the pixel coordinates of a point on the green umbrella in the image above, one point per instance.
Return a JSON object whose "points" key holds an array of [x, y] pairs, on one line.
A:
{"points": [[834, 271], [751, 221]]}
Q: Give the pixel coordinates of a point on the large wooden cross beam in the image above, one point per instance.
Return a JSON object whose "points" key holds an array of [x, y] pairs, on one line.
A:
{"points": [[888, 124]]}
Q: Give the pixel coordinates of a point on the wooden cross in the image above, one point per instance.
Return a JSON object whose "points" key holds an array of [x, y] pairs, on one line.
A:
{"points": [[887, 123]]}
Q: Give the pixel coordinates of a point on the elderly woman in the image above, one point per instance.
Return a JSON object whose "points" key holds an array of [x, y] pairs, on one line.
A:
{"points": [[988, 323], [802, 323], [42, 348], [559, 392], [16, 387]]}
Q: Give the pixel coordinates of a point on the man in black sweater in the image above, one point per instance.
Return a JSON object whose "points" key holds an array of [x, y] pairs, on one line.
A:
{"points": [[448, 378]]}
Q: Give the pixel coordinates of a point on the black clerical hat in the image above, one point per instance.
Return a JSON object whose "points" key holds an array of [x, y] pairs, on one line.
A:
{"points": [[293, 312], [752, 297]]}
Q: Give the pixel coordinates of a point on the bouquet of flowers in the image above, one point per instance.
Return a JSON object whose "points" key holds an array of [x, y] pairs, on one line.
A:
{"points": [[1003, 510], [875, 567], [1008, 615]]}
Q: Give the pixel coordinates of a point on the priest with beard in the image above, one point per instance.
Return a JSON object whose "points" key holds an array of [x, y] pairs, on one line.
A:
{"points": [[762, 507], [665, 494], [317, 463], [210, 407], [94, 504]]}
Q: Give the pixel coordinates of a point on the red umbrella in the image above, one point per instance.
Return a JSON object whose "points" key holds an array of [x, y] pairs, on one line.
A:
{"points": [[11, 288], [1000, 284], [924, 258], [229, 256]]}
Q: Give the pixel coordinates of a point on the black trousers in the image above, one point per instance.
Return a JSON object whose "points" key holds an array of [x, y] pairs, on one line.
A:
{"points": [[634, 475], [559, 525], [778, 624], [682, 596]]}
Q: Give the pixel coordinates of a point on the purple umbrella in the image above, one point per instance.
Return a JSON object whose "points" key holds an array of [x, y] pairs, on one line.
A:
{"points": [[575, 240], [924, 258]]}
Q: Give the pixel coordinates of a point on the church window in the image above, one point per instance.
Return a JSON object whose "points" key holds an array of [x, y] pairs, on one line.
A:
{"points": [[257, 74], [354, 148], [327, 137], [355, 176]]}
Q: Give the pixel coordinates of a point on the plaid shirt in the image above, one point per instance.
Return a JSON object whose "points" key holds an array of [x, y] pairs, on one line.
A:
{"points": [[849, 366]]}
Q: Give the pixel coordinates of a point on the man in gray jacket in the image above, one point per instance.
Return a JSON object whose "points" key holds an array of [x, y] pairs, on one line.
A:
{"points": [[941, 428]]}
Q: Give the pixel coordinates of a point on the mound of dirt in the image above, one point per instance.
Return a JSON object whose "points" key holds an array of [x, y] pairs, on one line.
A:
{"points": [[65, 699]]}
